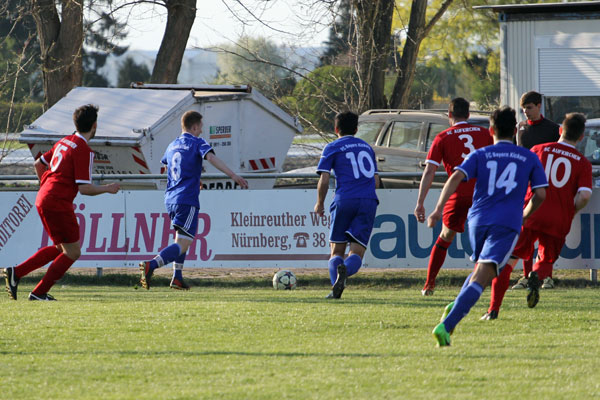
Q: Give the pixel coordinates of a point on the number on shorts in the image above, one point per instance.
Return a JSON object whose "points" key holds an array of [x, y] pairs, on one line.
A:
{"points": [[552, 170], [506, 179], [176, 166], [358, 164]]}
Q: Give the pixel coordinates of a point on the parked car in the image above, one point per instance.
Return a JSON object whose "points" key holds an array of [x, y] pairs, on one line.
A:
{"points": [[590, 146], [402, 138]]}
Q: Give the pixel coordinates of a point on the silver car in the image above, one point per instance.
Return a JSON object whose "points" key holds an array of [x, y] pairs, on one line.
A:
{"points": [[590, 146]]}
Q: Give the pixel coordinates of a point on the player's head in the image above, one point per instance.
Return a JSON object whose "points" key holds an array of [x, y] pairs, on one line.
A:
{"points": [[85, 118], [503, 122], [531, 104], [458, 109], [573, 126], [191, 122], [346, 123]]}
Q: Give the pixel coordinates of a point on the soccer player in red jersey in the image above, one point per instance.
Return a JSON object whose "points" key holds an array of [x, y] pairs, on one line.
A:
{"points": [[451, 147], [569, 176], [63, 171]]}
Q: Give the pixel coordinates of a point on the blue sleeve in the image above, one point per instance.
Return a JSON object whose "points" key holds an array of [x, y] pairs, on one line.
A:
{"points": [[164, 160], [469, 166], [204, 148], [538, 175], [326, 161]]}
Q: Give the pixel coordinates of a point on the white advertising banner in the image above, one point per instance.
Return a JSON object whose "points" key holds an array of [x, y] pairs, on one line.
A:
{"points": [[255, 228]]}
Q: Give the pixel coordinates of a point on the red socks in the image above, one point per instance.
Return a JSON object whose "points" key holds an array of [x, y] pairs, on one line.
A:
{"points": [[527, 266], [499, 287], [436, 260], [543, 269], [56, 270], [42, 257]]}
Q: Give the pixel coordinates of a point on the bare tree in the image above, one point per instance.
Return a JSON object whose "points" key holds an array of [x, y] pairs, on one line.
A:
{"points": [[61, 40], [418, 29], [180, 18]]}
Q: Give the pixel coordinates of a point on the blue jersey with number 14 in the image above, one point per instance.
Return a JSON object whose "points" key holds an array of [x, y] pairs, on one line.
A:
{"points": [[353, 161], [503, 172], [183, 159]]}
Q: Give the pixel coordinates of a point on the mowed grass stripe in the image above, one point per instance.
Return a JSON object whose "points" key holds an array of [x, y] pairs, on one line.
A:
{"points": [[231, 343]]}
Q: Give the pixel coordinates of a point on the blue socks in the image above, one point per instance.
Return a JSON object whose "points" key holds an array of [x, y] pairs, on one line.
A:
{"points": [[467, 297], [353, 263], [166, 255], [333, 264], [178, 266]]}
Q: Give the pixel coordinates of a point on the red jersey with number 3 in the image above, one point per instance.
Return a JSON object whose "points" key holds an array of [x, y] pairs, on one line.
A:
{"points": [[69, 163], [568, 172], [453, 145]]}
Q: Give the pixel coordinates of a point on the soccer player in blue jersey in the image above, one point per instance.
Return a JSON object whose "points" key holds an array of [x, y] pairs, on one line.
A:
{"points": [[503, 172], [183, 159], [355, 202]]}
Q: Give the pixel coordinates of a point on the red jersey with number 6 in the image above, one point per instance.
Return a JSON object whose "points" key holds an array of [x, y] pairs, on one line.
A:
{"points": [[568, 172], [69, 163], [453, 145]]}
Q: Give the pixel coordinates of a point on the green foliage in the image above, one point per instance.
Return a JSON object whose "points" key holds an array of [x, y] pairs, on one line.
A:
{"points": [[258, 62], [21, 114], [119, 343], [130, 71], [322, 94]]}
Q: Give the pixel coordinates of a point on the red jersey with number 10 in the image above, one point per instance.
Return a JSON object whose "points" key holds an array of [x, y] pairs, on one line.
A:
{"points": [[69, 163], [568, 172], [453, 145]]}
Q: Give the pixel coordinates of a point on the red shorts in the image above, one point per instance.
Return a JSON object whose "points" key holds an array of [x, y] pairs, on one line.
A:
{"points": [[455, 213], [549, 247], [61, 226]]}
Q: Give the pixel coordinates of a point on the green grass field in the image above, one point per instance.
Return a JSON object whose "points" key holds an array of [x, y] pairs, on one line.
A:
{"points": [[241, 341]]}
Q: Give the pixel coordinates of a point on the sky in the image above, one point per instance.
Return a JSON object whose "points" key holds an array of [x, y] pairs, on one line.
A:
{"points": [[222, 21]]}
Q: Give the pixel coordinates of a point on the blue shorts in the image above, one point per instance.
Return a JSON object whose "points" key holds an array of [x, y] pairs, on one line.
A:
{"points": [[184, 219], [352, 220], [492, 244]]}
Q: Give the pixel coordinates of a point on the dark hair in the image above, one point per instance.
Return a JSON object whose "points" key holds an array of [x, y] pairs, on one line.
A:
{"points": [[459, 108], [84, 117], [346, 122], [190, 118], [504, 121], [573, 126], [531, 97]]}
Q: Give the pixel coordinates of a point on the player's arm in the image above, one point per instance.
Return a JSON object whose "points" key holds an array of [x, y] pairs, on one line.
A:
{"points": [[581, 199], [449, 188], [539, 195], [89, 189], [520, 130], [322, 188], [426, 181], [40, 168], [221, 166]]}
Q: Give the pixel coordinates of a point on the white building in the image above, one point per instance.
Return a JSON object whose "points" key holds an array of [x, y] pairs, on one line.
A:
{"points": [[552, 48]]}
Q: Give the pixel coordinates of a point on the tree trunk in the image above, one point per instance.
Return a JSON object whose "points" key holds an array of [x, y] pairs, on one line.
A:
{"points": [[180, 18], [374, 25], [61, 40], [418, 29]]}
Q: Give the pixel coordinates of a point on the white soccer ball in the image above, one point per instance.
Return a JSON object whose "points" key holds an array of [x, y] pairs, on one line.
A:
{"points": [[284, 280]]}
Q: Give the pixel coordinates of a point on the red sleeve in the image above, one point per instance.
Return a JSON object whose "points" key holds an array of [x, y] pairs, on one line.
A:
{"points": [[435, 152], [585, 177], [47, 156], [83, 160]]}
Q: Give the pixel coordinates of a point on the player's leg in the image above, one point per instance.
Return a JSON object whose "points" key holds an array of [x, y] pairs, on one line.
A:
{"points": [[184, 219], [549, 249], [70, 253], [527, 268], [500, 285], [12, 275], [359, 233], [342, 212], [339, 273], [177, 281], [437, 258]]}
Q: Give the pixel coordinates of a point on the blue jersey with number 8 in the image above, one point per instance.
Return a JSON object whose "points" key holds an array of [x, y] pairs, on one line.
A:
{"points": [[183, 159], [503, 172], [353, 161]]}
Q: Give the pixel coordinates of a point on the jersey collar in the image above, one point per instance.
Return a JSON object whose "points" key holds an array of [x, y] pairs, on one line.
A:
{"points": [[536, 122], [567, 144], [81, 136], [460, 123], [504, 141]]}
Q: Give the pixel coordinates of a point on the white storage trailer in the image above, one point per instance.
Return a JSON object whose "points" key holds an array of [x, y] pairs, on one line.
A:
{"points": [[135, 125]]}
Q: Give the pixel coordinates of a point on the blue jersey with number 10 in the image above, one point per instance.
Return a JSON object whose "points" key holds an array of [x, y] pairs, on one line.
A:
{"points": [[183, 159], [503, 172], [353, 162]]}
